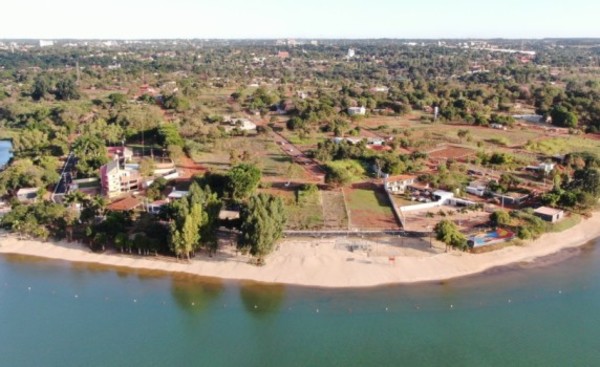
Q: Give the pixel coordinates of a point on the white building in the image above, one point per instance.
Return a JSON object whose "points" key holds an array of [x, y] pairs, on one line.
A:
{"points": [[28, 194], [478, 188], [116, 180], [46, 43], [243, 124], [351, 53], [353, 111], [398, 184]]}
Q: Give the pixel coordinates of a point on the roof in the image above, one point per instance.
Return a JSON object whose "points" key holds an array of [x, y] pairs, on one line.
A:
{"points": [[111, 166], [28, 190], [177, 194], [400, 178], [229, 214], [545, 210], [159, 202], [126, 204]]}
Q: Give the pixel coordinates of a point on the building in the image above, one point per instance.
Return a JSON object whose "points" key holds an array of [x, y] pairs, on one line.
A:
{"points": [[46, 43], [512, 198], [157, 206], [398, 184], [477, 188], [239, 123], [28, 194], [115, 180], [351, 53], [353, 111], [125, 205], [541, 168], [549, 214], [283, 55]]}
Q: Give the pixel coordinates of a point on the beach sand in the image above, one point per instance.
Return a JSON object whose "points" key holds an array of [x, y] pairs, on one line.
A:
{"points": [[328, 262]]}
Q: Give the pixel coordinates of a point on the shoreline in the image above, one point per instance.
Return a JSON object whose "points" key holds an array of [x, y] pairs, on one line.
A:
{"points": [[326, 263]]}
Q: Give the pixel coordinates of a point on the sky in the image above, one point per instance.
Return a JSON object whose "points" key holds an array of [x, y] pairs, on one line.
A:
{"points": [[150, 19]]}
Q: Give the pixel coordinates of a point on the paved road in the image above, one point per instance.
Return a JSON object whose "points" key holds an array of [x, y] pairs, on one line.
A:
{"points": [[65, 177]]}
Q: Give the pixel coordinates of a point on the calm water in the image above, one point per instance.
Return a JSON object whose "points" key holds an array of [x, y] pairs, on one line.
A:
{"points": [[60, 314], [5, 154]]}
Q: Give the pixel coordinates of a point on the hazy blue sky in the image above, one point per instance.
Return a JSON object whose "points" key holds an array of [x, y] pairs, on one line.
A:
{"points": [[299, 19]]}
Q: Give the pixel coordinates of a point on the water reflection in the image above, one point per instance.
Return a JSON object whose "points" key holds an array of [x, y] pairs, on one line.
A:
{"points": [[195, 297], [261, 299]]}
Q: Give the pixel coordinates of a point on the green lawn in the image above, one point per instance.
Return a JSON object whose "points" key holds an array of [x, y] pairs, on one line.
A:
{"points": [[369, 200], [564, 224]]}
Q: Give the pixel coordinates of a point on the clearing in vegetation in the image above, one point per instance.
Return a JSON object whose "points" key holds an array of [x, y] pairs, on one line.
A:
{"points": [[369, 207]]}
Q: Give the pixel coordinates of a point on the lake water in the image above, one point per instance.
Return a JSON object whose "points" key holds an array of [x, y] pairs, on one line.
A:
{"points": [[61, 314], [5, 153]]}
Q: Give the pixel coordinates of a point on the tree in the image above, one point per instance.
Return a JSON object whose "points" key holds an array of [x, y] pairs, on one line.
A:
{"points": [[263, 219], [41, 87], [243, 180], [508, 181], [336, 175], [66, 90], [91, 154], [561, 116], [447, 232], [117, 99], [500, 218], [194, 218], [168, 136], [147, 167]]}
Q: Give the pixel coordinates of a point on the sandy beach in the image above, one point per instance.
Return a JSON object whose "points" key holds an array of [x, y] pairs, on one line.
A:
{"points": [[341, 262]]}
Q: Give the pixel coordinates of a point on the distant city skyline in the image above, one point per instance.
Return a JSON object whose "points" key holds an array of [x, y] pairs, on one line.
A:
{"points": [[239, 19]]}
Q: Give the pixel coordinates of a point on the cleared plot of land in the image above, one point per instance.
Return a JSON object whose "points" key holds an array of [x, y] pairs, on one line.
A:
{"points": [[302, 215], [262, 151], [425, 220], [369, 207], [451, 152], [334, 210]]}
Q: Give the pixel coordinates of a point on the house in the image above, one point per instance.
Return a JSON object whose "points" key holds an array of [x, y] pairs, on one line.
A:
{"points": [[157, 206], [357, 111], [512, 198], [239, 123], [124, 205], [398, 184], [542, 167], [283, 55], [28, 194], [549, 214], [478, 188], [115, 180], [177, 194]]}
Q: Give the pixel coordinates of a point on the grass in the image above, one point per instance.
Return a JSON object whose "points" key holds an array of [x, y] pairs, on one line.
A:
{"points": [[363, 199], [571, 144], [566, 223], [351, 170], [301, 216]]}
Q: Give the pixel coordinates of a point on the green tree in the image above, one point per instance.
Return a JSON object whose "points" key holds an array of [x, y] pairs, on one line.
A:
{"points": [[91, 154], [41, 87], [243, 181], [66, 90], [263, 219], [447, 232], [500, 218], [561, 116]]}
